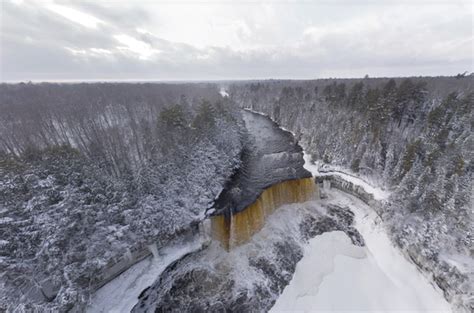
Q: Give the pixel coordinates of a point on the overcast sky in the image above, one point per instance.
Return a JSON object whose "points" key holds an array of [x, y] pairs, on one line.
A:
{"points": [[201, 40]]}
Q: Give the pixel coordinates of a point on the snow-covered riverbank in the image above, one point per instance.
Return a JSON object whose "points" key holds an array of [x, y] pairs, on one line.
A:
{"points": [[121, 294], [377, 193], [335, 275]]}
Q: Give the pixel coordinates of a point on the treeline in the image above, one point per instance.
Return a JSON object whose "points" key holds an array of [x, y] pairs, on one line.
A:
{"points": [[106, 122], [90, 172], [412, 135]]}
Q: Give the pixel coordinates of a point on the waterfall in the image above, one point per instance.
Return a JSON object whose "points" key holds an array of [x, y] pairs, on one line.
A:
{"points": [[237, 228]]}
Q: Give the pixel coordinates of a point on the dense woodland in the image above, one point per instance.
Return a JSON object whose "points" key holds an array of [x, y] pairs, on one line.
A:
{"points": [[90, 171], [413, 136]]}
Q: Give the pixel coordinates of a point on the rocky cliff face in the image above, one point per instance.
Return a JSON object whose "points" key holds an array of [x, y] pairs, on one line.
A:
{"points": [[413, 136]]}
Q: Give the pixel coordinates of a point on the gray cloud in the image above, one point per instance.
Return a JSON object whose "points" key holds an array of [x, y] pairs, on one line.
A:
{"points": [[185, 40]]}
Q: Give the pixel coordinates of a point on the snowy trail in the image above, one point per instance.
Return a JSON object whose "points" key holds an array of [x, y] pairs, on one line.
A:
{"points": [[335, 275], [378, 193], [121, 294]]}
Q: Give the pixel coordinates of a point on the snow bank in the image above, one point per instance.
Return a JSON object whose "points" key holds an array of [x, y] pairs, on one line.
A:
{"points": [[121, 294], [378, 193]]}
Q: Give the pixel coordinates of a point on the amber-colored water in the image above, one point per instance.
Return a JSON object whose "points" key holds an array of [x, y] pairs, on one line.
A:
{"points": [[241, 226]]}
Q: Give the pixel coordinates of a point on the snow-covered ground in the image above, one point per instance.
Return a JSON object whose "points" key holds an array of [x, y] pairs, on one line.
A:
{"points": [[335, 275], [378, 193], [121, 294]]}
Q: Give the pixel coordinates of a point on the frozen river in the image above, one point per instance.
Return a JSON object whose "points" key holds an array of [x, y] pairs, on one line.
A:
{"points": [[335, 275]]}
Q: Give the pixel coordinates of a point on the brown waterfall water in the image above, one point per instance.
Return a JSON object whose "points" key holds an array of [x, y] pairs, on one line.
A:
{"points": [[237, 228]]}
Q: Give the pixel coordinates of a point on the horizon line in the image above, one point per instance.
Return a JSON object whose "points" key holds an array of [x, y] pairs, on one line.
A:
{"points": [[198, 80]]}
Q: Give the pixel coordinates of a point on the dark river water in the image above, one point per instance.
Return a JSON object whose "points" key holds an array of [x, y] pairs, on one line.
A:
{"points": [[271, 155]]}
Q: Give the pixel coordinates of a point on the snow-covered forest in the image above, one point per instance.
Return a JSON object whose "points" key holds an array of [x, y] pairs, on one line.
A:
{"points": [[412, 136], [236, 156], [91, 172]]}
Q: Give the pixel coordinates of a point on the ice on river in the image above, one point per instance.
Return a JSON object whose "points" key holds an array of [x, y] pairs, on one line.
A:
{"points": [[335, 275]]}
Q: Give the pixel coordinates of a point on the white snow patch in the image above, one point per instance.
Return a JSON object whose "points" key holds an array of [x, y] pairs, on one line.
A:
{"points": [[463, 262], [121, 294], [6, 220], [223, 93], [45, 183], [210, 212]]}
